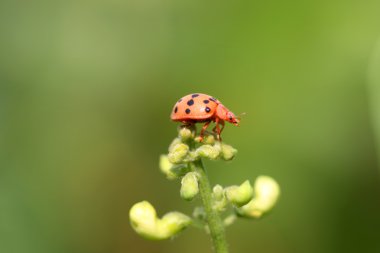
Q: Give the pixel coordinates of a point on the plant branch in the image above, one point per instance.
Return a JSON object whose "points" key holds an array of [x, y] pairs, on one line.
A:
{"points": [[214, 220]]}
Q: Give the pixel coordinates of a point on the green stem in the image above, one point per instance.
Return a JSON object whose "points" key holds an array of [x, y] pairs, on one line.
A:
{"points": [[214, 220]]}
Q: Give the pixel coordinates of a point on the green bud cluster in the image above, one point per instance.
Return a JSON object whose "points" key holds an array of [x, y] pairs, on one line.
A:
{"points": [[184, 151], [235, 195], [248, 201], [179, 150]]}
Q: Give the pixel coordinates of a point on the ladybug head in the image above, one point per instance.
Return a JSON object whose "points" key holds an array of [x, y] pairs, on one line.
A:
{"points": [[232, 118], [224, 114]]}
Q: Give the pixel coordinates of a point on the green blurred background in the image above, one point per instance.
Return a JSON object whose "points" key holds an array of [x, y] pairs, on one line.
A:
{"points": [[86, 89]]}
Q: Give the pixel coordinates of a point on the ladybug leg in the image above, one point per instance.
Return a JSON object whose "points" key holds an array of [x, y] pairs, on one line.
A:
{"points": [[203, 130], [222, 123], [217, 128]]}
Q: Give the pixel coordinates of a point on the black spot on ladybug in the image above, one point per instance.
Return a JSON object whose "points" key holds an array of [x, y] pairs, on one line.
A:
{"points": [[180, 100], [213, 99], [230, 117], [206, 101], [190, 102], [188, 111], [207, 109], [175, 109], [194, 95]]}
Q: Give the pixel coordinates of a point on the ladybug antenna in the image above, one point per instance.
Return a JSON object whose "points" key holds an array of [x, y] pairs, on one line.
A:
{"points": [[240, 115]]}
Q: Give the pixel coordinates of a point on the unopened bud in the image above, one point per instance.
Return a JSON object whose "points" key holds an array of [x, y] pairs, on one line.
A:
{"points": [[191, 156], [173, 223], [186, 133], [267, 192], [219, 199], [166, 167], [208, 151], [228, 152], [174, 143], [189, 188], [239, 195], [218, 192], [178, 153], [209, 139], [144, 221]]}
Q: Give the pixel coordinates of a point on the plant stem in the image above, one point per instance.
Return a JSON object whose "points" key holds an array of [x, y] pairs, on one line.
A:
{"points": [[214, 220]]}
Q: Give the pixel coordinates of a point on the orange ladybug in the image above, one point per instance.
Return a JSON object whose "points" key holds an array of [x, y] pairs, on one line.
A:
{"points": [[198, 107]]}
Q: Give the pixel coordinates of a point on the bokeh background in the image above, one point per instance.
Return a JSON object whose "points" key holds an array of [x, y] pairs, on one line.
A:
{"points": [[86, 89]]}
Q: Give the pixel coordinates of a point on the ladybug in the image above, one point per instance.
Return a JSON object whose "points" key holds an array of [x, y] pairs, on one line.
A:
{"points": [[198, 108]]}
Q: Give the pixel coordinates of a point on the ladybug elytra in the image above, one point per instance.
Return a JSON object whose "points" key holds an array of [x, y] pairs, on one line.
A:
{"points": [[198, 107]]}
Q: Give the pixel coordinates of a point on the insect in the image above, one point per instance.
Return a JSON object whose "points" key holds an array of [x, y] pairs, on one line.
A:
{"points": [[198, 108]]}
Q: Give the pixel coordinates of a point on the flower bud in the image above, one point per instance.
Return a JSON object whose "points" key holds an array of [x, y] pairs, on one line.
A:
{"points": [[208, 151], [144, 221], [228, 152], [172, 171], [218, 192], [178, 153], [239, 195], [220, 202], [267, 192], [166, 167], [186, 133], [174, 222], [209, 139], [191, 156], [189, 188], [174, 143]]}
